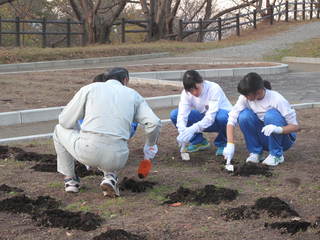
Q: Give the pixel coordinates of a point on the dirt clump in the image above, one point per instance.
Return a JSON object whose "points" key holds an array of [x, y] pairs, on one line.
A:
{"points": [[32, 156], [248, 169], [8, 189], [275, 207], [118, 234], [239, 213], [210, 194], [6, 151], [135, 186], [289, 227], [85, 221], [24, 204], [80, 169]]}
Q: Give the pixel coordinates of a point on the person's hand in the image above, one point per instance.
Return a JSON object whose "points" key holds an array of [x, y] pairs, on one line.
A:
{"points": [[187, 134], [269, 129], [150, 151], [228, 152]]}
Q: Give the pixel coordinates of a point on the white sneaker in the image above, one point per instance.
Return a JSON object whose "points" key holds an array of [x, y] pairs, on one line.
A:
{"points": [[254, 158], [109, 186], [273, 160], [72, 184]]}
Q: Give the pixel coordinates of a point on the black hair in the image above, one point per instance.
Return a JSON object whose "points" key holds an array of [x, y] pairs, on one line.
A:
{"points": [[190, 79], [117, 73], [251, 83], [99, 78]]}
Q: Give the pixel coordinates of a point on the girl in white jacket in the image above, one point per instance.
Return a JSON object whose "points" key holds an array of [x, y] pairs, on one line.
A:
{"points": [[266, 119]]}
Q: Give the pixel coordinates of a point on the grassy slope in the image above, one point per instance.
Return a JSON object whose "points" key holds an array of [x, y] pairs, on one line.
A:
{"points": [[15, 55]]}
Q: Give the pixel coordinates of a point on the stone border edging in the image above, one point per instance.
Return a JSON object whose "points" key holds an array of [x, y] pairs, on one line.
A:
{"points": [[301, 60], [76, 62], [52, 113], [165, 121], [224, 72]]}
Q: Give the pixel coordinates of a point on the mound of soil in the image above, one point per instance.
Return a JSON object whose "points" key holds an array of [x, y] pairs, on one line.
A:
{"points": [[85, 221], [135, 186], [32, 156], [80, 169], [207, 195], [24, 204], [275, 207], [8, 189], [239, 213], [289, 227], [248, 169], [118, 234], [6, 151]]}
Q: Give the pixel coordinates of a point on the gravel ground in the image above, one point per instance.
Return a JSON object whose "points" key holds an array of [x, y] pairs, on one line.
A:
{"points": [[258, 49]]}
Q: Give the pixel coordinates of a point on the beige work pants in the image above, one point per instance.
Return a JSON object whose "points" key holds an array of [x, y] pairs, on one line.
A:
{"points": [[106, 152]]}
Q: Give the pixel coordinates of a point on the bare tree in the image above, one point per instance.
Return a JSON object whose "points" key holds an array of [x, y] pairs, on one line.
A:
{"points": [[99, 16]]}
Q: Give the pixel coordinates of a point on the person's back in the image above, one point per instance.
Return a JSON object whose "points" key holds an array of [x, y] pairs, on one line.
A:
{"points": [[110, 108]]}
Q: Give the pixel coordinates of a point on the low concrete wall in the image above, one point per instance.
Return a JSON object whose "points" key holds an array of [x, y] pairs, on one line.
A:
{"points": [[301, 60]]}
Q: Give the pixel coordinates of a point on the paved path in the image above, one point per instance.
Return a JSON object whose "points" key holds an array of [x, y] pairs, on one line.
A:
{"points": [[258, 49]]}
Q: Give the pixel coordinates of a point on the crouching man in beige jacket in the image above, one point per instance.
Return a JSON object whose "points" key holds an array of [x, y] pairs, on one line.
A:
{"points": [[107, 109]]}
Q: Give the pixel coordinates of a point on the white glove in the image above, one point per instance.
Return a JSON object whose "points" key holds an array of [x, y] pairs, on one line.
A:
{"points": [[228, 152], [269, 129], [187, 134], [150, 151]]}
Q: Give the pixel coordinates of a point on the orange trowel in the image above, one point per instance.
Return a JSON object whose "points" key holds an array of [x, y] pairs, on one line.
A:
{"points": [[144, 168]]}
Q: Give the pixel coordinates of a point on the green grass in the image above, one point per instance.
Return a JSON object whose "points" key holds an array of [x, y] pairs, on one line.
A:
{"points": [[310, 48], [56, 185], [79, 206], [159, 193]]}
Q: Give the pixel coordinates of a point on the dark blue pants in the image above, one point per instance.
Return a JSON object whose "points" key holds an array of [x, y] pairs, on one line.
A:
{"points": [[218, 126], [256, 141]]}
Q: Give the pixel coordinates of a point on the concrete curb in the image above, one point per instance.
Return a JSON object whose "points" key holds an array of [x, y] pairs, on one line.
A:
{"points": [[208, 73], [301, 60], [165, 121], [48, 114], [76, 62]]}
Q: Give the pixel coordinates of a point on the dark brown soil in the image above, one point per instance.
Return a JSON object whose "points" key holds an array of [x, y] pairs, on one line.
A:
{"points": [[8, 189], [81, 170], [289, 227], [275, 207], [24, 204], [135, 186], [207, 195], [118, 234], [85, 221], [240, 213], [248, 169], [32, 156], [6, 151]]}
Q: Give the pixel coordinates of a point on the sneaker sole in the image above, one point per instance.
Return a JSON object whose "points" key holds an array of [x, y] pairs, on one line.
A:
{"points": [[108, 191], [198, 149], [72, 189]]}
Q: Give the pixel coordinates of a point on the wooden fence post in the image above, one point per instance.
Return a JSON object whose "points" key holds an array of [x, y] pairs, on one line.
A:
{"points": [[295, 10], [219, 29], [200, 30], [180, 30], [318, 10], [149, 29], [123, 30], [311, 9], [271, 15], [68, 32], [303, 9], [44, 34], [18, 43], [255, 19], [238, 24], [287, 11], [84, 33], [0, 31]]}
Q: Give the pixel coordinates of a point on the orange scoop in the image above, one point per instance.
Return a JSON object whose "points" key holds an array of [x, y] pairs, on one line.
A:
{"points": [[144, 168]]}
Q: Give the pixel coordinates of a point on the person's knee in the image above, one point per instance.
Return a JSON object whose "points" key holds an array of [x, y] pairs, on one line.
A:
{"points": [[222, 117], [245, 116], [174, 115], [271, 116]]}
